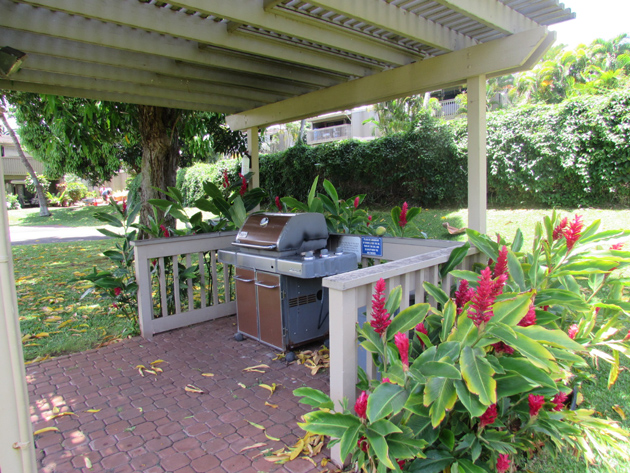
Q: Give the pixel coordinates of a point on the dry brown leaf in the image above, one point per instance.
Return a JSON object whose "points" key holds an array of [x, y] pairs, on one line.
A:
{"points": [[271, 388], [275, 406], [157, 362], [209, 375], [256, 369], [619, 411], [256, 445], [309, 459], [46, 429], [61, 414]]}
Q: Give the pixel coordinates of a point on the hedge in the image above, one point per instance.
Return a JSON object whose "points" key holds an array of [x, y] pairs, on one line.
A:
{"points": [[576, 153], [190, 180]]}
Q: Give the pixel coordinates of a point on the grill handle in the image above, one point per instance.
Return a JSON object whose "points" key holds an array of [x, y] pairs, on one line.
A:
{"points": [[266, 286], [238, 278], [257, 247]]}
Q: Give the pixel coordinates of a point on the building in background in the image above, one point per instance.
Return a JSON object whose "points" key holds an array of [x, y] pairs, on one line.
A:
{"points": [[14, 171]]}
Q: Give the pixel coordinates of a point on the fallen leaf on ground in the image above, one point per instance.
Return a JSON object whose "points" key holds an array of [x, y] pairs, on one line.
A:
{"points": [[271, 438], [275, 406], [242, 385], [61, 414], [209, 375], [256, 368], [256, 445], [258, 426], [46, 429], [191, 388], [93, 410], [157, 362], [271, 388], [619, 411]]}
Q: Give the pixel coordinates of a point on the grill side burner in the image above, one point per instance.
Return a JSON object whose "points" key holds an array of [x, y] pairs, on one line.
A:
{"points": [[280, 261]]}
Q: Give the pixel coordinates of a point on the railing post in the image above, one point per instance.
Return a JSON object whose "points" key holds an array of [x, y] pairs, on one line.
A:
{"points": [[145, 304], [343, 349]]}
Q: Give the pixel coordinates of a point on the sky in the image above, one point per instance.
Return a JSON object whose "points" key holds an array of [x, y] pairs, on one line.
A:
{"points": [[604, 19]]}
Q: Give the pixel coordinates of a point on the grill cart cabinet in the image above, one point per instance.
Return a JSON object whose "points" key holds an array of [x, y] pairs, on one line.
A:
{"points": [[280, 261]]}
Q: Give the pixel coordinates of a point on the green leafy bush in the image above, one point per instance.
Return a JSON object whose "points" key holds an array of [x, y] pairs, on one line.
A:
{"points": [[13, 202], [43, 181], [76, 191], [190, 181], [487, 377]]}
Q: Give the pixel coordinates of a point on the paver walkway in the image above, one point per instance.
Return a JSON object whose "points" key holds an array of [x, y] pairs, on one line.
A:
{"points": [[151, 424]]}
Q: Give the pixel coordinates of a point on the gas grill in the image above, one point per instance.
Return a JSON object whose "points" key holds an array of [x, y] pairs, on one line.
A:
{"points": [[280, 261]]}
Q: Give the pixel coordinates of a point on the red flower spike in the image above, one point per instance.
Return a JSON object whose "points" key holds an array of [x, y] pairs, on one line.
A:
{"points": [[380, 318], [501, 347], [480, 311], [499, 282], [572, 331], [422, 329], [401, 463], [463, 294], [402, 220], [559, 400], [356, 202], [369, 220], [117, 291], [489, 416], [501, 266], [535, 404], [559, 230], [360, 407], [401, 340], [164, 231], [530, 317], [226, 181], [573, 232], [363, 444], [503, 463], [617, 246], [243, 185], [387, 380], [124, 207], [627, 337], [278, 203]]}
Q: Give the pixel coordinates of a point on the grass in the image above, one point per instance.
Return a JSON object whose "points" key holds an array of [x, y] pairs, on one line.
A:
{"points": [[63, 216], [54, 320]]}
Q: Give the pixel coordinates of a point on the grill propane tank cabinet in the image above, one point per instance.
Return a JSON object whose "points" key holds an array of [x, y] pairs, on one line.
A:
{"points": [[280, 261]]}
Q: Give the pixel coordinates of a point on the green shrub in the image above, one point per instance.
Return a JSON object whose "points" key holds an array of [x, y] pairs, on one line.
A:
{"points": [[43, 181], [76, 191], [190, 180], [13, 202]]}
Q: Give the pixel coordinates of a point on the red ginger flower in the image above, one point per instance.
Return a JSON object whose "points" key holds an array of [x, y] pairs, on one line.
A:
{"points": [[463, 294], [387, 380], [627, 337], [572, 331], [369, 220], [356, 202], [402, 220], [360, 407], [164, 231], [535, 404], [481, 303], [363, 444], [559, 400], [559, 230], [617, 246], [422, 329], [226, 180], [489, 416], [380, 318], [124, 207], [503, 463], [573, 232], [278, 203], [530, 317], [501, 267], [402, 343], [117, 291], [501, 347], [243, 185]]}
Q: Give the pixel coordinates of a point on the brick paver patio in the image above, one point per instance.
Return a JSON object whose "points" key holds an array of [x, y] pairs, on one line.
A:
{"points": [[151, 424]]}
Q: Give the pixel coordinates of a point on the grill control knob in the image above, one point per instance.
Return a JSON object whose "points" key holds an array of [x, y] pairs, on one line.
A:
{"points": [[308, 256], [324, 253]]}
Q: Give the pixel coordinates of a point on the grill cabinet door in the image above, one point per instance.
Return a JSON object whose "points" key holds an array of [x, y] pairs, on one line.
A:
{"points": [[270, 309], [246, 314]]}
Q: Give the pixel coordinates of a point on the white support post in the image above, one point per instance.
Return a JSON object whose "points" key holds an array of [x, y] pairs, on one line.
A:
{"points": [[17, 452], [343, 349], [477, 167], [252, 148]]}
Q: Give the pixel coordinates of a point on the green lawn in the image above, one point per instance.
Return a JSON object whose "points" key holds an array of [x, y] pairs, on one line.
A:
{"points": [[64, 216]]}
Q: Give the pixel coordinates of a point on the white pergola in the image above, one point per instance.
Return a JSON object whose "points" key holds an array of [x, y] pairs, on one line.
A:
{"points": [[262, 62]]}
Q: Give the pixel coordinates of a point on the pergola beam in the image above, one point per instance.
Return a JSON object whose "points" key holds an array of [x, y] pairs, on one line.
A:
{"points": [[110, 96], [194, 28], [494, 57], [494, 14], [392, 18], [75, 28], [253, 13], [37, 45]]}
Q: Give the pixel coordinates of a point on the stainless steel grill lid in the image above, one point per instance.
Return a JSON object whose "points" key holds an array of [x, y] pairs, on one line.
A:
{"points": [[283, 233]]}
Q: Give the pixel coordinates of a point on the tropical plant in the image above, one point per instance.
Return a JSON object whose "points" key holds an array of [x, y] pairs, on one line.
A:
{"points": [[13, 202], [491, 374]]}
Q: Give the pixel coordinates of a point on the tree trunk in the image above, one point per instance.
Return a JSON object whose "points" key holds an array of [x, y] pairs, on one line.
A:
{"points": [[301, 139], [160, 157], [43, 205]]}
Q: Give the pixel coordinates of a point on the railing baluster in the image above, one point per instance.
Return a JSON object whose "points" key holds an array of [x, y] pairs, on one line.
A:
{"points": [[202, 279], [189, 281], [163, 286], [215, 284], [178, 302]]}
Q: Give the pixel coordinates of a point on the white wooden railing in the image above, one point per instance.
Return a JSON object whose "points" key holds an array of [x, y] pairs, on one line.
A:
{"points": [[165, 299], [331, 133], [350, 297]]}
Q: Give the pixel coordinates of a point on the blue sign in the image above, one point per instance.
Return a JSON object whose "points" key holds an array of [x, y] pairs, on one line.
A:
{"points": [[371, 246]]}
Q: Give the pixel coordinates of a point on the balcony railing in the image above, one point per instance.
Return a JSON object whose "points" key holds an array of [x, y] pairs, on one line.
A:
{"points": [[331, 133]]}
